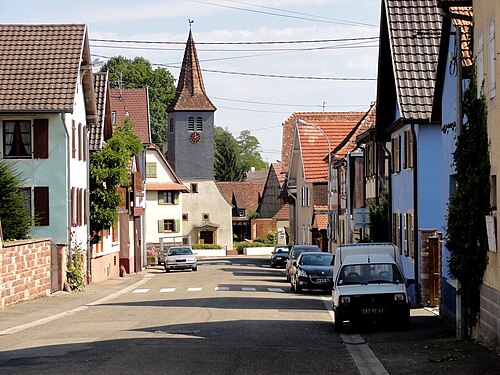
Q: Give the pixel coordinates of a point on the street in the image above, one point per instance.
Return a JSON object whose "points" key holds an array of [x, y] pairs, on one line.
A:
{"points": [[235, 315]]}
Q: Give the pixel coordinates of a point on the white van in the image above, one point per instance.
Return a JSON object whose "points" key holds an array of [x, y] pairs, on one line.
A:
{"points": [[368, 284]]}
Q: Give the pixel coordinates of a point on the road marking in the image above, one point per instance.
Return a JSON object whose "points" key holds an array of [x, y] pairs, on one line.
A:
{"points": [[248, 289], [221, 288], [167, 290], [275, 290], [366, 362], [141, 291], [251, 265], [266, 266], [194, 289], [220, 264], [63, 314], [236, 264]]}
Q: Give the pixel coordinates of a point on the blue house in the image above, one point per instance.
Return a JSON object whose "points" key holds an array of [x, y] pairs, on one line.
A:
{"points": [[410, 36]]}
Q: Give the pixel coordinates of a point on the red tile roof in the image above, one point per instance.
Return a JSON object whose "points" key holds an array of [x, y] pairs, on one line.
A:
{"points": [[279, 175], [167, 186], [133, 103], [283, 213], [190, 94], [246, 194], [314, 145], [466, 32], [39, 67]]}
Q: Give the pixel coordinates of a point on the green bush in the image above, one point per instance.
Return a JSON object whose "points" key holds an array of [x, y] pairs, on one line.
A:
{"points": [[272, 237], [205, 246], [240, 246], [75, 273]]}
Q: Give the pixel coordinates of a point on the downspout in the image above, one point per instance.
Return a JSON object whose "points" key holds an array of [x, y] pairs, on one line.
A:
{"points": [[348, 191], [68, 181], [87, 206], [416, 259]]}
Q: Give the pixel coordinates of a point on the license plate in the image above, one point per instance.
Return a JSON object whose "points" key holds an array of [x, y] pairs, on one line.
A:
{"points": [[322, 280], [372, 310]]}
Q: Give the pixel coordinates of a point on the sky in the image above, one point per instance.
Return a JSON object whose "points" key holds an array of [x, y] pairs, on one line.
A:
{"points": [[330, 64]]}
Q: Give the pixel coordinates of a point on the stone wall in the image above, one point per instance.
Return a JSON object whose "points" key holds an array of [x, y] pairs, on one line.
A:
{"points": [[25, 270], [489, 317]]}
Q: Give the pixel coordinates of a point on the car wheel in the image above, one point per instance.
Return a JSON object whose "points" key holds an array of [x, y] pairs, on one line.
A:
{"points": [[339, 324], [195, 268]]}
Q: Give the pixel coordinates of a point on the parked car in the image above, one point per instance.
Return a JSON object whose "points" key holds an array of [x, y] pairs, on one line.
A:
{"points": [[180, 258], [312, 270], [294, 254], [279, 256]]}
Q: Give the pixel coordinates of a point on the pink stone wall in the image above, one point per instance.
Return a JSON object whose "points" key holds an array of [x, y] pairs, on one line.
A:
{"points": [[24, 270]]}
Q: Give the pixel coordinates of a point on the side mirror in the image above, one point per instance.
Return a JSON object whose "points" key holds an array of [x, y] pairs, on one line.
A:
{"points": [[410, 282]]}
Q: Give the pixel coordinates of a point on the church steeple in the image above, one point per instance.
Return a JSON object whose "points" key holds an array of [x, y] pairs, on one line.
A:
{"points": [[190, 94]]}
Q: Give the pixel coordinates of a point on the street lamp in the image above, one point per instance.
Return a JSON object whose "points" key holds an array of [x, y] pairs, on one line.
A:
{"points": [[329, 227]]}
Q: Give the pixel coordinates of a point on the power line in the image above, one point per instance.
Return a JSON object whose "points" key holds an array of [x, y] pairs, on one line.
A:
{"points": [[237, 43], [284, 104], [316, 19]]}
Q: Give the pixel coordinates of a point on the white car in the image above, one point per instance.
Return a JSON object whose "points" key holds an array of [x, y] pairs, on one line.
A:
{"points": [[180, 258]]}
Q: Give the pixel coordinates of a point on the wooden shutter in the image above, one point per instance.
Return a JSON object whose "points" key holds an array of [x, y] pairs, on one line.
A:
{"points": [[85, 144], [176, 197], [161, 226], [80, 142], [161, 197], [85, 204], [41, 195], [405, 149], [177, 225], [410, 149], [41, 141], [73, 140]]}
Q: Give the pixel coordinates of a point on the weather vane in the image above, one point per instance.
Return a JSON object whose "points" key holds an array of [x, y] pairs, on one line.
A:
{"points": [[190, 22]]}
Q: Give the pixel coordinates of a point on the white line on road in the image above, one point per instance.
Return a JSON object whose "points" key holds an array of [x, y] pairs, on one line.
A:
{"points": [[167, 290], [366, 362], [248, 289], [221, 288], [275, 290], [141, 291], [266, 266], [48, 319], [194, 289]]}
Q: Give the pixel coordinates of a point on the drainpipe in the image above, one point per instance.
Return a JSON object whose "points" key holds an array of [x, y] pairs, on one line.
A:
{"points": [[68, 181], [87, 206], [417, 258], [389, 187], [348, 191]]}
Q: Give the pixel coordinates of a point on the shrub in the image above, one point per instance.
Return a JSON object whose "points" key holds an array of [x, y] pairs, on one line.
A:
{"points": [[205, 246]]}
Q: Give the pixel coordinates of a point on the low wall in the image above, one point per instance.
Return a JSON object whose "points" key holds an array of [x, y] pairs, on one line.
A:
{"points": [[24, 270], [258, 250], [209, 252], [105, 267]]}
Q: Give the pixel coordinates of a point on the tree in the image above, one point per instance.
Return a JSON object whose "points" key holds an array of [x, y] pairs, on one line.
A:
{"points": [[16, 218], [379, 219], [138, 73], [250, 155], [109, 169], [466, 236], [227, 164]]}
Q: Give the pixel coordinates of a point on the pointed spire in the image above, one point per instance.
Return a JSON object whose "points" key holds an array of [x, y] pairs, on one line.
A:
{"points": [[190, 94]]}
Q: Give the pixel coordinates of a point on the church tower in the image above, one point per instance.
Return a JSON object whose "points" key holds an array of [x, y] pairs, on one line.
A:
{"points": [[191, 122]]}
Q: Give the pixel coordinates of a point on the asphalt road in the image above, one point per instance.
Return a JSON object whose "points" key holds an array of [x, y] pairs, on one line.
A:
{"points": [[233, 316]]}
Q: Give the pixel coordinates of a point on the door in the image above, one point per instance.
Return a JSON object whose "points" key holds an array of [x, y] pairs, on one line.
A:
{"points": [[434, 270], [207, 236]]}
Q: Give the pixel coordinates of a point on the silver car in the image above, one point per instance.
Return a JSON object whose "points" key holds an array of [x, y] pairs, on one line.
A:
{"points": [[180, 258]]}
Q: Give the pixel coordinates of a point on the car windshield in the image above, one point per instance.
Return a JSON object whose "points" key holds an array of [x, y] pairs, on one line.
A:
{"points": [[316, 259], [297, 251], [370, 274], [180, 251], [281, 252]]}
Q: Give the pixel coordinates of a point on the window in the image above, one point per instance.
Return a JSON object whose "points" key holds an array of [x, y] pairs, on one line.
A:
{"points": [[168, 225], [305, 199], [199, 124], [115, 232], [26, 193], [113, 117], [17, 139], [41, 205], [151, 170], [369, 159], [396, 230], [205, 216], [480, 64], [185, 217], [194, 188], [241, 212], [190, 124], [491, 60], [171, 125], [168, 197]]}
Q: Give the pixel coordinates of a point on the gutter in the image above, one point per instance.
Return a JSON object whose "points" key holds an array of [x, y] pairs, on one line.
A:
{"points": [[68, 184]]}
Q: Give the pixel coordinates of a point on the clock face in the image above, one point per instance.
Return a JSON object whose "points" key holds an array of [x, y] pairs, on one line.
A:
{"points": [[194, 137]]}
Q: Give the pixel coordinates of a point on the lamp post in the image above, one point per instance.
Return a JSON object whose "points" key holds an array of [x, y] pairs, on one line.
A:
{"points": [[329, 227]]}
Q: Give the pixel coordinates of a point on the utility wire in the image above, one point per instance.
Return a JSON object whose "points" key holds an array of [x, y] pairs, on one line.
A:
{"points": [[285, 105]]}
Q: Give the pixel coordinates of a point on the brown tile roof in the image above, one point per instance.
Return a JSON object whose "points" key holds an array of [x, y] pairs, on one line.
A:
{"points": [[414, 29], [314, 145], [39, 66], [279, 175], [246, 194], [283, 213], [133, 103], [465, 26], [97, 130], [190, 94], [349, 143], [256, 176]]}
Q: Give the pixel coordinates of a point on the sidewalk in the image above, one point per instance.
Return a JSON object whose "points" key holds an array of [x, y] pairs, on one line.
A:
{"points": [[24, 314]]}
